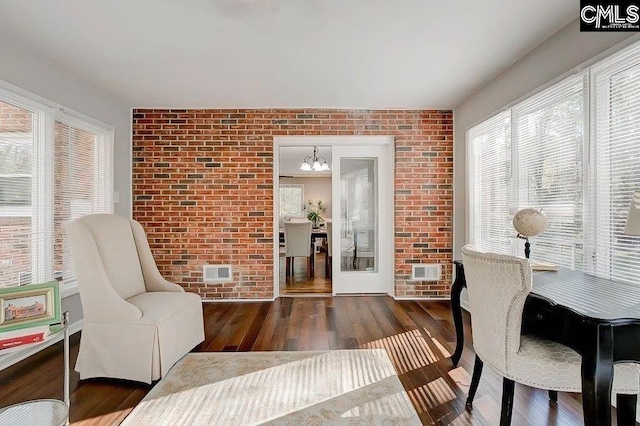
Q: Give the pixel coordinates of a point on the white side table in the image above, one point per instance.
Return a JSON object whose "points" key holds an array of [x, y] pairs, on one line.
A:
{"points": [[43, 412]]}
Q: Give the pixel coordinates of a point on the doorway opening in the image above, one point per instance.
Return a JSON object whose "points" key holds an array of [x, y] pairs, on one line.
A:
{"points": [[353, 245], [304, 218]]}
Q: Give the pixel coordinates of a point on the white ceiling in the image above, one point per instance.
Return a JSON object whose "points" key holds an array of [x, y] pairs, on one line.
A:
{"points": [[285, 53]]}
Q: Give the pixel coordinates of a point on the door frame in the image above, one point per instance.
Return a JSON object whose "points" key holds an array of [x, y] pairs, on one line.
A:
{"points": [[331, 141]]}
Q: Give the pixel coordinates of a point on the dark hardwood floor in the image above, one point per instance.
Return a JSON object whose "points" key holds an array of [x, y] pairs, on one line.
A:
{"points": [[418, 337], [300, 282]]}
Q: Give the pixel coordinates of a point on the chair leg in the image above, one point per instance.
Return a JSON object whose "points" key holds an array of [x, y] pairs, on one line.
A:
{"points": [[327, 267], [309, 270], [508, 387], [475, 381], [626, 410], [288, 267], [553, 396]]}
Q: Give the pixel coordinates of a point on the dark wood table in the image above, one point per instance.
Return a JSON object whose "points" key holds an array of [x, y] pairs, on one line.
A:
{"points": [[598, 318]]}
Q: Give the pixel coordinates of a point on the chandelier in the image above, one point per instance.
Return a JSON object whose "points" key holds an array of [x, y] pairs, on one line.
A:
{"points": [[315, 163]]}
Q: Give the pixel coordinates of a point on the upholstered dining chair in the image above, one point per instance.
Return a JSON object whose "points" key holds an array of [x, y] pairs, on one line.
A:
{"points": [[136, 325], [364, 241], [297, 240], [498, 286], [329, 251]]}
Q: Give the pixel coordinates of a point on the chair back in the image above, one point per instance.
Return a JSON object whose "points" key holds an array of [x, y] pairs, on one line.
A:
{"points": [[297, 239], [329, 239], [498, 286], [106, 241]]}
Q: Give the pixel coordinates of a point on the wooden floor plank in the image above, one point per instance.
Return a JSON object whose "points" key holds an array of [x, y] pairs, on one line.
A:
{"points": [[416, 335]]}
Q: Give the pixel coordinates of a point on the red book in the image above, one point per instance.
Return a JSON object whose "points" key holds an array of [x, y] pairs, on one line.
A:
{"points": [[21, 340]]}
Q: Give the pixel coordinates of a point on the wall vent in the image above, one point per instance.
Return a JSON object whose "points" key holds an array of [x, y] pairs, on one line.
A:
{"points": [[426, 272], [217, 273]]}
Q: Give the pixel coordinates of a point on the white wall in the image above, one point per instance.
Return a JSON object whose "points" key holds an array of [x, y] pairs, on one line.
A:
{"points": [[22, 68], [28, 71], [315, 188], [560, 53]]}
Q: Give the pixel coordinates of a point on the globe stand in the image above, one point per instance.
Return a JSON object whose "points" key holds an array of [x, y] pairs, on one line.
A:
{"points": [[527, 246]]}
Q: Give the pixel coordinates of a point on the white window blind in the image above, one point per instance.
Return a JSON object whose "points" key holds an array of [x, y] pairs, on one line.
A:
{"points": [[82, 182], [548, 131], [54, 168], [489, 184], [575, 152], [615, 164]]}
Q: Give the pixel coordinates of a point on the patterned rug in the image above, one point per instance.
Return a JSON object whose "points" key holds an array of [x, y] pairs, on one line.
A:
{"points": [[296, 388]]}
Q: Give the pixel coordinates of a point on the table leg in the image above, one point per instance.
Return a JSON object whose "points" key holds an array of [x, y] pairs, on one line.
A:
{"points": [[626, 409], [597, 378], [456, 311]]}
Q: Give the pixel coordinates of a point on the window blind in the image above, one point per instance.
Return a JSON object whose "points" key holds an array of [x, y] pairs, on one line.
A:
{"points": [[54, 167], [575, 152], [548, 132], [615, 164], [489, 184], [82, 183]]}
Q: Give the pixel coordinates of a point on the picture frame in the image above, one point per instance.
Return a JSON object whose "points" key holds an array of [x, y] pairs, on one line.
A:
{"points": [[30, 306]]}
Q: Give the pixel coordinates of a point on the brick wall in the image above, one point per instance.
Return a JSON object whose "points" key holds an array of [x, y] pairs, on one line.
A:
{"points": [[203, 190]]}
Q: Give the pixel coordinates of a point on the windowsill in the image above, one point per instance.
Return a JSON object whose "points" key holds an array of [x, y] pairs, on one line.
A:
{"points": [[69, 289]]}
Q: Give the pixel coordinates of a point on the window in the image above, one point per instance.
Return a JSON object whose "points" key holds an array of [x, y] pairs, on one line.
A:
{"points": [[573, 149], [489, 177], [54, 167], [548, 145], [615, 164], [291, 200]]}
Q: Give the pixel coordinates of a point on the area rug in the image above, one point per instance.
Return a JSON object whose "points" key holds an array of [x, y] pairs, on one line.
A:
{"points": [[295, 388]]}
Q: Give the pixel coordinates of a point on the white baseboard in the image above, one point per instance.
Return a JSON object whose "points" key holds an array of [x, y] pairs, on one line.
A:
{"points": [[423, 299], [8, 360], [236, 300]]}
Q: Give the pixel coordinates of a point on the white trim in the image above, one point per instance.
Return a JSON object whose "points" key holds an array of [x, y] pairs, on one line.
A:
{"points": [[69, 289], [279, 141], [330, 141], [27, 100], [422, 299], [236, 300], [15, 357]]}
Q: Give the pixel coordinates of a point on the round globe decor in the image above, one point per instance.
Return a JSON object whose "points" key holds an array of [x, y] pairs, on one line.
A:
{"points": [[530, 222]]}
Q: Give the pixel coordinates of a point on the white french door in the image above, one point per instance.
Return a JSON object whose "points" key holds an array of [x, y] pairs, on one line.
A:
{"points": [[362, 212]]}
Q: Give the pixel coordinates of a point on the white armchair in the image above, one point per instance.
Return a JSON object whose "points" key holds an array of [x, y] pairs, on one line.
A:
{"points": [[137, 325], [498, 286]]}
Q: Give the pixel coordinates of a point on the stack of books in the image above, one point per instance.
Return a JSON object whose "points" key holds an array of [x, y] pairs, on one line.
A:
{"points": [[23, 336]]}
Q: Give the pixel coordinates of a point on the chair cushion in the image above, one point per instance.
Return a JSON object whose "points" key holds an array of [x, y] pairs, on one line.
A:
{"points": [[158, 306], [545, 364]]}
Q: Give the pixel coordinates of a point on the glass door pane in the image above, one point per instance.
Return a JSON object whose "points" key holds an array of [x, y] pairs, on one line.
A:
{"points": [[358, 214]]}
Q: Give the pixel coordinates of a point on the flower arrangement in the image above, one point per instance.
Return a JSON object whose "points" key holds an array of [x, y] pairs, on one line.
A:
{"points": [[315, 209]]}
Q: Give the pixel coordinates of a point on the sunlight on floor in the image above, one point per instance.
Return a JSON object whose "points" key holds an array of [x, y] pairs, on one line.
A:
{"points": [[431, 395], [391, 405], [408, 351]]}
